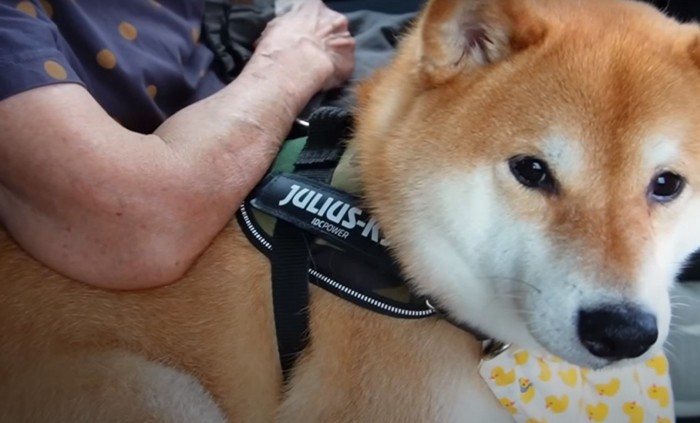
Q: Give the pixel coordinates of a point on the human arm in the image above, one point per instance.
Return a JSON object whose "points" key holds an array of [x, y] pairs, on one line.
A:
{"points": [[122, 210]]}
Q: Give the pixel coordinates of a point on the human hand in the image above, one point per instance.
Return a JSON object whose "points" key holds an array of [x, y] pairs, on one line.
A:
{"points": [[312, 38]]}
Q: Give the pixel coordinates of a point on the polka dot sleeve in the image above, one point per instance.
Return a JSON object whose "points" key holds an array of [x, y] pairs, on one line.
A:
{"points": [[29, 54]]}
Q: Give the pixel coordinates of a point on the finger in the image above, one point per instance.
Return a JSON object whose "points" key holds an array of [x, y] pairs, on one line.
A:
{"points": [[325, 31], [340, 35], [340, 42], [340, 24], [310, 7]]}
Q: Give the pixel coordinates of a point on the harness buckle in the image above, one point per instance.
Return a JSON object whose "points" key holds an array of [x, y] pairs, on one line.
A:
{"points": [[492, 349]]}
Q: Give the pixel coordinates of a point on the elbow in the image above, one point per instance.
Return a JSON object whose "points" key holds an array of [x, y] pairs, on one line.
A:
{"points": [[157, 267], [150, 245], [164, 255], [148, 227], [150, 264]]}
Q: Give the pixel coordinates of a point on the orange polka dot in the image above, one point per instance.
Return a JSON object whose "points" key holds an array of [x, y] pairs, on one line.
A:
{"points": [[27, 8], [128, 31], [106, 59], [152, 90], [55, 70], [195, 34], [47, 8]]}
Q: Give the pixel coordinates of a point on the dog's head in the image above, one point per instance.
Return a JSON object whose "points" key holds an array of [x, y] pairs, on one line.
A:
{"points": [[535, 165]]}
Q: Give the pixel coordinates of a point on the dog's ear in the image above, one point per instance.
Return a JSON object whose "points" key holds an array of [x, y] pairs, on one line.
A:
{"points": [[457, 35]]}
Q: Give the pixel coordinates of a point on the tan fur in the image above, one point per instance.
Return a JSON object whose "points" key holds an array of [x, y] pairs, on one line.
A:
{"points": [[114, 386], [559, 59], [216, 324]]}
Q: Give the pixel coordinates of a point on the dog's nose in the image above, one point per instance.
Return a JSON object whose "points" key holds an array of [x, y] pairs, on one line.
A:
{"points": [[617, 332]]}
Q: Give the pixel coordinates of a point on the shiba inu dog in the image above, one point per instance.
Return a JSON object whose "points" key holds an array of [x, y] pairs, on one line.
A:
{"points": [[534, 166]]}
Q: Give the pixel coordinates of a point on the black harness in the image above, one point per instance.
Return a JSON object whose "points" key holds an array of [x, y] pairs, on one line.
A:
{"points": [[315, 233]]}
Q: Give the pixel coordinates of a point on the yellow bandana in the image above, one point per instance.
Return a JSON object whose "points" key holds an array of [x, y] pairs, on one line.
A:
{"points": [[546, 389]]}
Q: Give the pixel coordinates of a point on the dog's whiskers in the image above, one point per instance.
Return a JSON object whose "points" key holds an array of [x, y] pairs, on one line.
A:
{"points": [[516, 280], [671, 351]]}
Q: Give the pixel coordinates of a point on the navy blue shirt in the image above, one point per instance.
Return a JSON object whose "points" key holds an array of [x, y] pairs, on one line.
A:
{"points": [[140, 59]]}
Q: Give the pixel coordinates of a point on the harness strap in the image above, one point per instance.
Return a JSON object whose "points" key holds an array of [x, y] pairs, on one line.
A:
{"points": [[290, 292], [329, 127], [290, 253]]}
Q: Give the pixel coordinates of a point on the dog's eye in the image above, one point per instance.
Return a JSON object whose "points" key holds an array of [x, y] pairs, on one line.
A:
{"points": [[666, 187], [533, 173]]}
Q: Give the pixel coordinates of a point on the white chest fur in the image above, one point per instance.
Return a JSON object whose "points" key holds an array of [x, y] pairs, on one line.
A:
{"points": [[463, 397]]}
